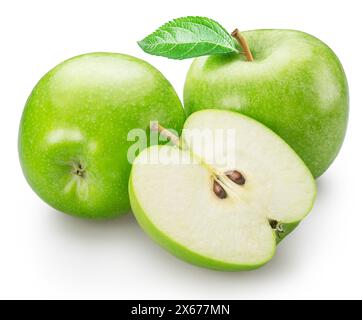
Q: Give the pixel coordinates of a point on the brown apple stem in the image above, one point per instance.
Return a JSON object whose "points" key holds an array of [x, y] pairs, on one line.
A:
{"points": [[243, 43], [166, 133]]}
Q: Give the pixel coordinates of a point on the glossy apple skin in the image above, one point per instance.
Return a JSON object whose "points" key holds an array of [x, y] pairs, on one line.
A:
{"points": [[296, 86], [80, 114]]}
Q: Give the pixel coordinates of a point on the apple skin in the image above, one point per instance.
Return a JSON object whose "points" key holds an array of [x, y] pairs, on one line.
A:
{"points": [[296, 86], [80, 113]]}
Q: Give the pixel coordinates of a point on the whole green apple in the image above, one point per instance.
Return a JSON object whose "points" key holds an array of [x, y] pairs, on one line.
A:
{"points": [[295, 85], [73, 133]]}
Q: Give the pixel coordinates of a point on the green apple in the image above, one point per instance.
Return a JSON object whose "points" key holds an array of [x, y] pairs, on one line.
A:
{"points": [[73, 133], [222, 205], [296, 86]]}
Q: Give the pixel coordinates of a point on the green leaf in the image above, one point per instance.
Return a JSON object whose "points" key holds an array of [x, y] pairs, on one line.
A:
{"points": [[189, 37]]}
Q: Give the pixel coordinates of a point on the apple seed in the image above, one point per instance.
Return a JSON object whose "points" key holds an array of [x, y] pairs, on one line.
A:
{"points": [[236, 177], [219, 190]]}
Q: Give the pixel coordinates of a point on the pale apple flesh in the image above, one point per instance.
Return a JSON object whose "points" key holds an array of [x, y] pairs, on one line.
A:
{"points": [[295, 85], [175, 202]]}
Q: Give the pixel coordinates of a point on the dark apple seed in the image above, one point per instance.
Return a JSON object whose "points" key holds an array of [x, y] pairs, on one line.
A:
{"points": [[236, 177], [219, 190]]}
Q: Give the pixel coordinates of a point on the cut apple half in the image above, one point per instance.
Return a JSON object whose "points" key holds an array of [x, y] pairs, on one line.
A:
{"points": [[224, 195]]}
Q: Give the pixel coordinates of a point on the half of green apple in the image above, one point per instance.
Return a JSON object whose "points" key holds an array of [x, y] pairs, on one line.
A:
{"points": [[225, 194]]}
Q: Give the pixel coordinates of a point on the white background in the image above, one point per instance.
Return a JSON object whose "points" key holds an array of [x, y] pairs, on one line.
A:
{"points": [[46, 254]]}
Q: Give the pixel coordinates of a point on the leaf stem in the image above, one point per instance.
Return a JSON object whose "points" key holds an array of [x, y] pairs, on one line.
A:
{"points": [[243, 43]]}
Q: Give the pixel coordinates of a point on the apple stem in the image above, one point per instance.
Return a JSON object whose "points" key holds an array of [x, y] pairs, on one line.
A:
{"points": [[243, 43], [167, 133]]}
